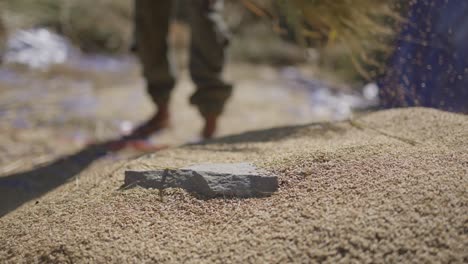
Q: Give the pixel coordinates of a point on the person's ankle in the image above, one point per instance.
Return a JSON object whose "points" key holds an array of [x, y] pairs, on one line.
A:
{"points": [[157, 122], [163, 111], [210, 126]]}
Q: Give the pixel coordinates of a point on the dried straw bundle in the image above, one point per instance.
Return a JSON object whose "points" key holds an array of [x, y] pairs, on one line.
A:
{"points": [[362, 27]]}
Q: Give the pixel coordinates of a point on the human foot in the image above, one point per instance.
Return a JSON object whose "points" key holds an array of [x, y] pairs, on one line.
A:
{"points": [[210, 126], [156, 123], [140, 145]]}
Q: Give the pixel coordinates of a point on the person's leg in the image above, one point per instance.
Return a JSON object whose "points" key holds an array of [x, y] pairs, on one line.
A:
{"points": [[152, 19], [209, 39]]}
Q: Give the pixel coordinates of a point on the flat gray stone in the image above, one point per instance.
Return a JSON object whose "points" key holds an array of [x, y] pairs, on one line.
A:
{"points": [[211, 180]]}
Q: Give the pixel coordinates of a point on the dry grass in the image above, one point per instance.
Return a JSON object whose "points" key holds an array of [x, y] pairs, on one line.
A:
{"points": [[360, 27]]}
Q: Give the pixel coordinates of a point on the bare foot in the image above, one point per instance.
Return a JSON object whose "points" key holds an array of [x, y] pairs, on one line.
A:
{"points": [[156, 123], [140, 145], [210, 126]]}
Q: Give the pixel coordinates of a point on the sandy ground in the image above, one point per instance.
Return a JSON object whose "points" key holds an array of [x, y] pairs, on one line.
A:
{"points": [[49, 118], [386, 187]]}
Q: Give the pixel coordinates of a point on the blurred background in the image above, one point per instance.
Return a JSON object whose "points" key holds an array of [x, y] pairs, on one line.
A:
{"points": [[68, 76]]}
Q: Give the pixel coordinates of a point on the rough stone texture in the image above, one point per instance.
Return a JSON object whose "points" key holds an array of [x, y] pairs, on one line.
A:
{"points": [[211, 180]]}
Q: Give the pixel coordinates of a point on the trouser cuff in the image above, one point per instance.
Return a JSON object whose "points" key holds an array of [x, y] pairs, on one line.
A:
{"points": [[160, 94], [211, 100]]}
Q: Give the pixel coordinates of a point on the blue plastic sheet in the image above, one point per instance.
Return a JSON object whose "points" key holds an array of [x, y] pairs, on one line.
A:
{"points": [[430, 64]]}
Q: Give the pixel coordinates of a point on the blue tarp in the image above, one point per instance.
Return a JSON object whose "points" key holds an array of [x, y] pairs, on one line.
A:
{"points": [[430, 64]]}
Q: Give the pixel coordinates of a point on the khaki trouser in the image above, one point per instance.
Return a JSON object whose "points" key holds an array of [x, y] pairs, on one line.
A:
{"points": [[209, 40]]}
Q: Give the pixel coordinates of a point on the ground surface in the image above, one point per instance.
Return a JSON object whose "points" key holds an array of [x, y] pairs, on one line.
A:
{"points": [[389, 186], [48, 118]]}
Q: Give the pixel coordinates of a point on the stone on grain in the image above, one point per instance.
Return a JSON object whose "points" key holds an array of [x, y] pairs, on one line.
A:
{"points": [[211, 180]]}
